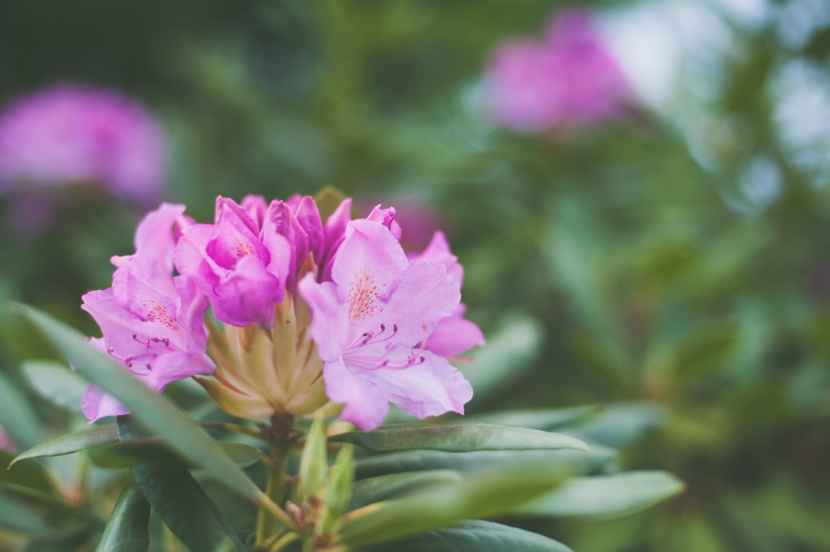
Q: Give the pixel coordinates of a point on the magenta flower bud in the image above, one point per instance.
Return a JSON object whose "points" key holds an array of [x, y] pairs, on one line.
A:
{"points": [[69, 134]]}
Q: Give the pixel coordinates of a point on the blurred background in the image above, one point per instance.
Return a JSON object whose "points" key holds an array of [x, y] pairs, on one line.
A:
{"points": [[639, 192]]}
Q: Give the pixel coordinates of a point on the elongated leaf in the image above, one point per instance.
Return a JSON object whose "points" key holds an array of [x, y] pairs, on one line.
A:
{"points": [[459, 438], [127, 529], [385, 487], [18, 417], [180, 501], [72, 442], [182, 504], [151, 410], [482, 494], [544, 419], [32, 475], [56, 383], [619, 424], [138, 451], [313, 462], [51, 503], [604, 496], [70, 538], [473, 536], [576, 462], [16, 517]]}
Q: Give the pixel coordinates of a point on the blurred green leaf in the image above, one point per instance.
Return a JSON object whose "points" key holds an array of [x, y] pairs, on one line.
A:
{"points": [[604, 496], [127, 528], [72, 442], [17, 518], [149, 449], [546, 419], [149, 409], [473, 536], [384, 487], [482, 494], [56, 383], [18, 416], [59, 541], [31, 475], [459, 438], [52, 504], [572, 461], [619, 424], [508, 354]]}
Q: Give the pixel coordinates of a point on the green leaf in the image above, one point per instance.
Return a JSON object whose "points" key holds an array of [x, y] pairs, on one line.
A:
{"points": [[18, 417], [543, 419], [180, 501], [51, 503], [185, 508], [127, 529], [576, 462], [151, 410], [62, 540], [31, 475], [604, 496], [473, 536], [313, 462], [56, 383], [482, 494], [339, 488], [72, 442], [136, 451], [459, 438], [384, 487], [620, 424], [508, 355], [14, 516]]}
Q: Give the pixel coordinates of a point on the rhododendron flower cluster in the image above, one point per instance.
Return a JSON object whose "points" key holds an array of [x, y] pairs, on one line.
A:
{"points": [[69, 134], [312, 312], [568, 79]]}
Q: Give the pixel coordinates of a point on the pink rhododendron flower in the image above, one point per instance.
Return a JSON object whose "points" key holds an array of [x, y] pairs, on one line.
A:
{"points": [[152, 322], [312, 313], [6, 442], [69, 134], [568, 79], [370, 323]]}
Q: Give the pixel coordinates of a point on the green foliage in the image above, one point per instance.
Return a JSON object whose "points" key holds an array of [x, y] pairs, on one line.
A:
{"points": [[638, 267]]}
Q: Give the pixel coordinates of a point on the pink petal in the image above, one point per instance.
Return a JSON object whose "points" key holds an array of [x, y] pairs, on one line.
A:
{"points": [[248, 295], [365, 405], [329, 317], [431, 388], [98, 404], [368, 266]]}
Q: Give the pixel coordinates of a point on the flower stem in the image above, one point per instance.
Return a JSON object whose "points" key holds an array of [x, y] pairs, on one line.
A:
{"points": [[268, 524]]}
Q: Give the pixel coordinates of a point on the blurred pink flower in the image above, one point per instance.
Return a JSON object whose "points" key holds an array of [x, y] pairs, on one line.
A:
{"points": [[71, 133], [568, 79], [6, 442]]}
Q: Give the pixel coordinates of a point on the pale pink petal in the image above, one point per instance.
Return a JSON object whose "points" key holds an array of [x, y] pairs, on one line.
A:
{"points": [[365, 405], [429, 388], [329, 322], [424, 295], [97, 404], [438, 251], [175, 366], [368, 266], [453, 336]]}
